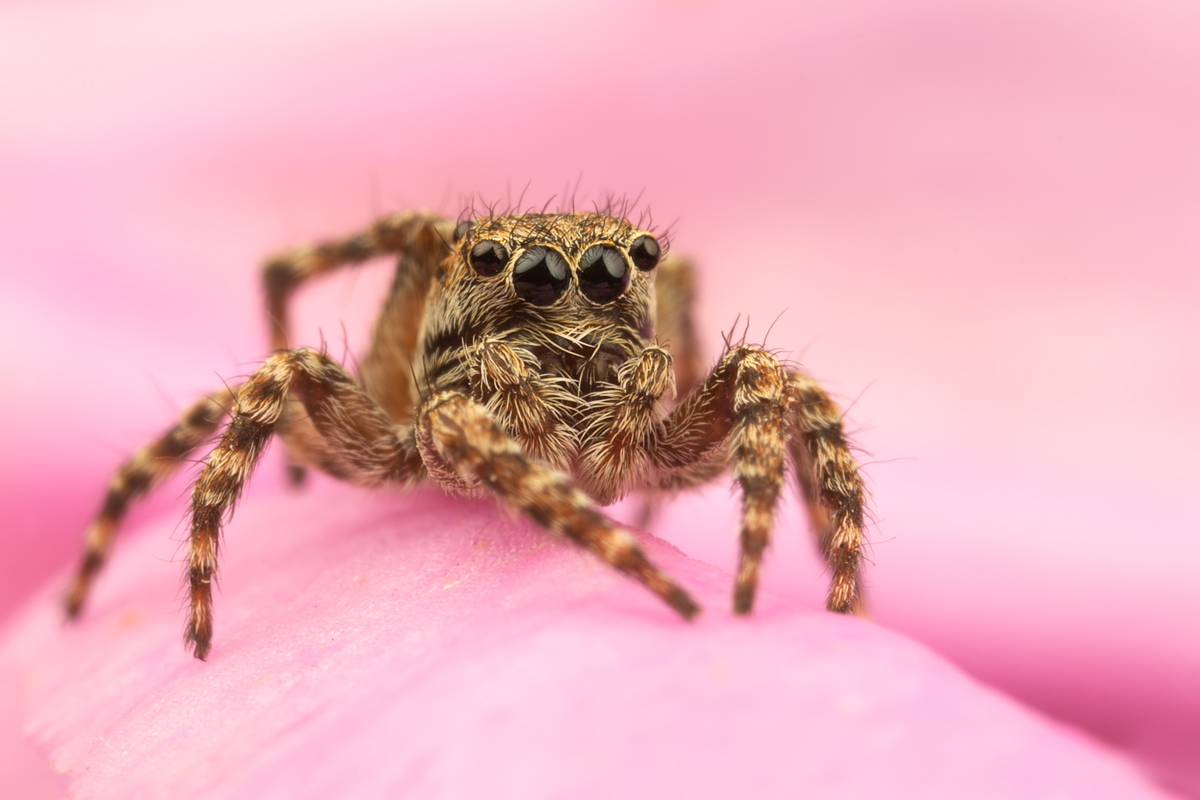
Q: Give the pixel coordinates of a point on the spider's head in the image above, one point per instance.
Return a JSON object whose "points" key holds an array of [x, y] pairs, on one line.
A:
{"points": [[582, 262]]}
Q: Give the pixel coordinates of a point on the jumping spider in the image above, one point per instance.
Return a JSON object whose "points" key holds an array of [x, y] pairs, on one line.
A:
{"points": [[519, 356]]}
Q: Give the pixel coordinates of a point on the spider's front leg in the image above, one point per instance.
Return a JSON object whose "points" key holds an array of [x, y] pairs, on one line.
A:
{"points": [[832, 487], [344, 432], [148, 467], [456, 436], [751, 411]]}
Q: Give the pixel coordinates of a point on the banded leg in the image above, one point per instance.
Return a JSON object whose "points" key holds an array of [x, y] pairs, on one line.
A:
{"points": [[621, 430], [284, 273], [739, 413], [422, 242], [456, 435], [137, 476], [832, 488], [357, 442], [759, 450]]}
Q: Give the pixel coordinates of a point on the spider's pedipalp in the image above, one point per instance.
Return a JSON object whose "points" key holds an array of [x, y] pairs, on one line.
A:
{"points": [[145, 469], [623, 424], [521, 401], [456, 435]]}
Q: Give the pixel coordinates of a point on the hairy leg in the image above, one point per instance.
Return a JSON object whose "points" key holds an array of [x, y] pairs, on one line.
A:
{"points": [[831, 485], [675, 327], [137, 476], [675, 288], [457, 437], [416, 232], [357, 443], [739, 413], [422, 242]]}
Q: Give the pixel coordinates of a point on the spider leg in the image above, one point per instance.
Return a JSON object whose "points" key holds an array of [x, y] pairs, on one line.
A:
{"points": [[738, 413], [421, 240], [759, 450], [137, 476], [831, 485], [456, 435], [282, 274], [360, 444], [675, 288]]}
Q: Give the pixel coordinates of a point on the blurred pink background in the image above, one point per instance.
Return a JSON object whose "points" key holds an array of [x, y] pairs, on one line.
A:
{"points": [[977, 224]]}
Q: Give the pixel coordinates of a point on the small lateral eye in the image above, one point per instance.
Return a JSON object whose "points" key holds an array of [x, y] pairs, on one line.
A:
{"points": [[460, 230], [488, 258], [540, 276], [645, 253], [603, 273]]}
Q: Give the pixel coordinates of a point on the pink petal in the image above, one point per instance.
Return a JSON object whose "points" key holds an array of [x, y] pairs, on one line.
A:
{"points": [[369, 645]]}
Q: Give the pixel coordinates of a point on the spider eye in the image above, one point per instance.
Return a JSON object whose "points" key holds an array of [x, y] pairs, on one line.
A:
{"points": [[603, 273], [488, 258], [460, 230], [645, 253], [540, 276]]}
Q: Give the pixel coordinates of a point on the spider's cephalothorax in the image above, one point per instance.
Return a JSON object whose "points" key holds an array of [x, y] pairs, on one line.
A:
{"points": [[534, 357]]}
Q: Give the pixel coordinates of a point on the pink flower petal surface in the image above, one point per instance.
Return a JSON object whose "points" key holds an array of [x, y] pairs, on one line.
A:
{"points": [[378, 646], [972, 222]]}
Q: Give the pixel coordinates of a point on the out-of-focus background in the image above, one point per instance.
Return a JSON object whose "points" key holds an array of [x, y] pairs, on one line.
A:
{"points": [[976, 223]]}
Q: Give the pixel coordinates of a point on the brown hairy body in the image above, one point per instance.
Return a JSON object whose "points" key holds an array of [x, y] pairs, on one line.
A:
{"points": [[532, 357]]}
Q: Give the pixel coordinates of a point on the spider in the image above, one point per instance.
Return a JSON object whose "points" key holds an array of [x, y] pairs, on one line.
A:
{"points": [[533, 357]]}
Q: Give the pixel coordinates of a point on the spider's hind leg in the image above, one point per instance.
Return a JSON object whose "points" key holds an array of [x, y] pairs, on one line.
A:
{"points": [[147, 467], [422, 241]]}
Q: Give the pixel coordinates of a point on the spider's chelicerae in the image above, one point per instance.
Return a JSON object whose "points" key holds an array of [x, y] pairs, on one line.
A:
{"points": [[534, 357]]}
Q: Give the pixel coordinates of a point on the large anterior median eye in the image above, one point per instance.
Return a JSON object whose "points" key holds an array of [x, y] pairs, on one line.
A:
{"points": [[540, 276], [603, 273], [488, 258]]}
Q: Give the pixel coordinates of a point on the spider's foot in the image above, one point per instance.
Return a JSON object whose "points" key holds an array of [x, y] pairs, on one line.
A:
{"points": [[852, 605], [77, 592], [746, 586], [682, 602], [296, 475], [73, 602]]}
